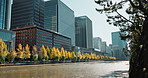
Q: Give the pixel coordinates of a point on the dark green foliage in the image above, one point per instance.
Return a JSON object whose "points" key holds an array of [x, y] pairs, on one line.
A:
{"points": [[136, 27]]}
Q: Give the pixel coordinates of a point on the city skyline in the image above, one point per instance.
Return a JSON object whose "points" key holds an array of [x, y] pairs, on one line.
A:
{"points": [[100, 27]]}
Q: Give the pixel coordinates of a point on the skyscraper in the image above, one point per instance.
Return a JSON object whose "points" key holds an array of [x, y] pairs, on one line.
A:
{"points": [[59, 18], [103, 47], [5, 19], [119, 45], [97, 42], [5, 14], [83, 32], [27, 12]]}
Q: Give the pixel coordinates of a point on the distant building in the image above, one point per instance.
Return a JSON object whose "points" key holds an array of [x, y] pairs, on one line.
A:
{"points": [[27, 12], [103, 47], [118, 45], [111, 50], [82, 50], [108, 51], [35, 35], [59, 18], [5, 19], [83, 32], [97, 42]]}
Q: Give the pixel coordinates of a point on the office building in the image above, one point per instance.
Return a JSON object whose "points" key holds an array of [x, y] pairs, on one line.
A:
{"points": [[8, 37], [27, 12], [97, 42], [5, 14], [5, 19], [118, 45], [59, 18], [83, 31], [103, 47], [35, 35]]}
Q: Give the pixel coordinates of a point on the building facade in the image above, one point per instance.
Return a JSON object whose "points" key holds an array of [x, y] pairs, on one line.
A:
{"points": [[59, 18], [83, 31], [5, 19], [5, 14], [118, 45], [103, 47], [27, 12], [35, 35], [97, 42], [8, 37]]}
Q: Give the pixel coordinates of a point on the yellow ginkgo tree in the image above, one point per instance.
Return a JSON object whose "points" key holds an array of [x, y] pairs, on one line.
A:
{"points": [[11, 56], [73, 56], [44, 52], [48, 51], [20, 52], [34, 53], [3, 51], [58, 55], [63, 54], [79, 56], [26, 53]]}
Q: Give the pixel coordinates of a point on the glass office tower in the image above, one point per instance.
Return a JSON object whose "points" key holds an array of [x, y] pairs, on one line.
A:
{"points": [[5, 19], [83, 32], [118, 45], [5, 14], [27, 12], [59, 18]]}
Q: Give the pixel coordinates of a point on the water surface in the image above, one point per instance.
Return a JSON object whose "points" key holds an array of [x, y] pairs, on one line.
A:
{"points": [[98, 69]]}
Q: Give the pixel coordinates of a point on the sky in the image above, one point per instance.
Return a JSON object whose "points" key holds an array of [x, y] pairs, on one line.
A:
{"points": [[87, 7]]}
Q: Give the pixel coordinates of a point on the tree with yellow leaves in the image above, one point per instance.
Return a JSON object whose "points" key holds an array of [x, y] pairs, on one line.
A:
{"points": [[63, 54], [26, 53], [20, 52], [3, 51], [87, 57], [35, 54], [69, 56], [53, 53], [79, 56], [11, 56], [66, 55], [73, 56], [58, 55], [44, 53], [48, 51]]}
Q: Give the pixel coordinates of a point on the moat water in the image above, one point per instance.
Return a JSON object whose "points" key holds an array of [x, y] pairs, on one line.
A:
{"points": [[97, 69]]}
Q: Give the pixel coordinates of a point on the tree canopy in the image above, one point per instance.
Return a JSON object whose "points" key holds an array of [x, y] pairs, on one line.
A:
{"points": [[135, 25]]}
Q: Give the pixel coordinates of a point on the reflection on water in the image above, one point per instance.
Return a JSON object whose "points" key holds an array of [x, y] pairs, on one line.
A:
{"points": [[65, 70]]}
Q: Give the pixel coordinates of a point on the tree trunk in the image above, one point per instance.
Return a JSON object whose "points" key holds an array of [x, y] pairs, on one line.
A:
{"points": [[139, 59], [144, 56]]}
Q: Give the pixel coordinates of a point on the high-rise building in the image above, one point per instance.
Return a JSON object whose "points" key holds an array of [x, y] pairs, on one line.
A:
{"points": [[103, 47], [5, 19], [5, 14], [83, 32], [59, 18], [118, 45], [27, 12], [97, 41]]}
